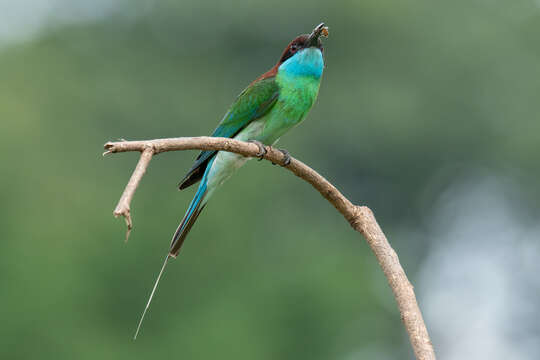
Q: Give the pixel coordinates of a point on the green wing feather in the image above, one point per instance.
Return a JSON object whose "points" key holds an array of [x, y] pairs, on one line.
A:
{"points": [[252, 103]]}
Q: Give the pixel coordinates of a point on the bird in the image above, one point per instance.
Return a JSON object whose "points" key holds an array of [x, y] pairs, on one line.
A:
{"points": [[265, 110]]}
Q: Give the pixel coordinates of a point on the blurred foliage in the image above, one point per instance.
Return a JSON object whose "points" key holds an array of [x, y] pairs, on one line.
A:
{"points": [[415, 95]]}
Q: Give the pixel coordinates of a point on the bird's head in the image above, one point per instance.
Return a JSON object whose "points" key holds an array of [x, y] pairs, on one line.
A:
{"points": [[305, 41], [303, 55]]}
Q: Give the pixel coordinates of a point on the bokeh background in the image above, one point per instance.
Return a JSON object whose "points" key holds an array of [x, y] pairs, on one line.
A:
{"points": [[427, 113]]}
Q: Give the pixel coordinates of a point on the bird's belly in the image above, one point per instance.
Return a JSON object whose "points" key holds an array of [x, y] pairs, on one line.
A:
{"points": [[226, 163], [283, 117]]}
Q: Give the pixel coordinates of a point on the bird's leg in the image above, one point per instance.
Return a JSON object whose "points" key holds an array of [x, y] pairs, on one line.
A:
{"points": [[286, 157], [262, 149]]}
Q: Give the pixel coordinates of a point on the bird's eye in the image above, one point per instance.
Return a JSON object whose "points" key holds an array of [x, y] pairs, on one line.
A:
{"points": [[294, 47]]}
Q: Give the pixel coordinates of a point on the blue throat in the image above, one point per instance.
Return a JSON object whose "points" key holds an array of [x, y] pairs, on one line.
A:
{"points": [[306, 62]]}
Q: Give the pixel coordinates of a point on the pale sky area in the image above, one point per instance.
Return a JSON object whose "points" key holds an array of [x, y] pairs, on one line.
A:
{"points": [[20, 20], [479, 284]]}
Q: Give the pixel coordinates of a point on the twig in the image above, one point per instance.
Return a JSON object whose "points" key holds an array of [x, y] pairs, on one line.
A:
{"points": [[360, 217], [123, 207]]}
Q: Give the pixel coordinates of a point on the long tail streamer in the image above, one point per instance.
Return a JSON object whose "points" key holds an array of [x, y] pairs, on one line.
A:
{"points": [[151, 296]]}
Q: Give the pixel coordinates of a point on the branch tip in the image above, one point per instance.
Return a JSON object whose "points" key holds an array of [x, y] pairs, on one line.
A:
{"points": [[127, 217], [109, 146]]}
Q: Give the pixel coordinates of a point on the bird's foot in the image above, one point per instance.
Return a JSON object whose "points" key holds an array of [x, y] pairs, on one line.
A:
{"points": [[286, 157], [262, 149]]}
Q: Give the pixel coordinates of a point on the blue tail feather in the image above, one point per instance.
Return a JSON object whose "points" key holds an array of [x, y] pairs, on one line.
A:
{"points": [[192, 213]]}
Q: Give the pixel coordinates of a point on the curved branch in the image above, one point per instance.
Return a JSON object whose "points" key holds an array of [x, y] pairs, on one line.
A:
{"points": [[361, 218]]}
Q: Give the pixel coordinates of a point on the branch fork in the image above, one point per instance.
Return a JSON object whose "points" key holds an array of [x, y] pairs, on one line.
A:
{"points": [[360, 218]]}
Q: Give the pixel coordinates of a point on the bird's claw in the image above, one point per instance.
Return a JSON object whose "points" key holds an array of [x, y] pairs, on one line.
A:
{"points": [[262, 149], [286, 157]]}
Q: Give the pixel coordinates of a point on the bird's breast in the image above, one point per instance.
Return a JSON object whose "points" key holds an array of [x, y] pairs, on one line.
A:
{"points": [[297, 93], [296, 96]]}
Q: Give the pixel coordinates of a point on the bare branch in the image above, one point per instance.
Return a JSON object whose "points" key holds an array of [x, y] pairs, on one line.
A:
{"points": [[360, 217]]}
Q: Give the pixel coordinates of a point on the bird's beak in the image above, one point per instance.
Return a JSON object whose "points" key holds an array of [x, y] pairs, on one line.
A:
{"points": [[313, 39]]}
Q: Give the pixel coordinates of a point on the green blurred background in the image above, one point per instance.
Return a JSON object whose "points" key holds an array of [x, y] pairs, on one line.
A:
{"points": [[427, 113]]}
